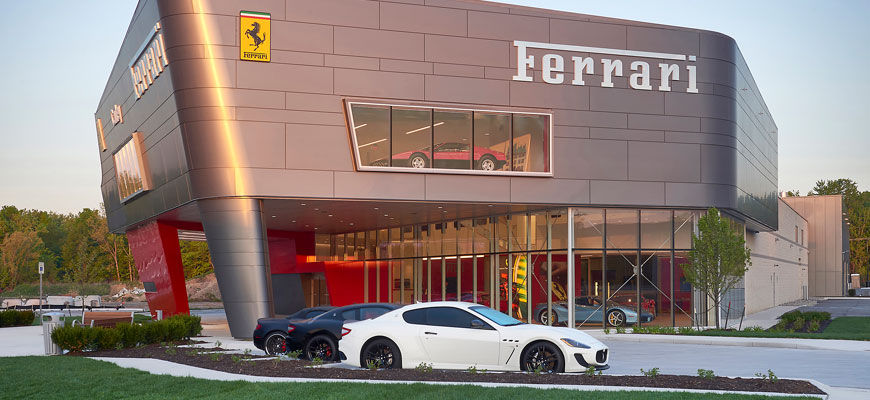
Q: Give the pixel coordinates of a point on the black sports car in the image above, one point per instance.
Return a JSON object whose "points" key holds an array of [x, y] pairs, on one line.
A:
{"points": [[317, 337]]}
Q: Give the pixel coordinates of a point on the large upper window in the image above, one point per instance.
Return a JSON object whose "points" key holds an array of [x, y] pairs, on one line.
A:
{"points": [[450, 140], [131, 168]]}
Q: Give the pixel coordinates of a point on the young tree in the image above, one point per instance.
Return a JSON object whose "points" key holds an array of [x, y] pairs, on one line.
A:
{"points": [[718, 259]]}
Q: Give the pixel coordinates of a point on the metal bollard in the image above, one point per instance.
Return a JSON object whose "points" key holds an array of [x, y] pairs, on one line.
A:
{"points": [[49, 325]]}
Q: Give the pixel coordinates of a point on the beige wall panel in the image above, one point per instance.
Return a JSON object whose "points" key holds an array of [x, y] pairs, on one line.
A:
{"points": [[379, 185], [291, 78], [414, 18], [352, 82], [361, 13], [510, 27], [457, 50], [377, 43]]}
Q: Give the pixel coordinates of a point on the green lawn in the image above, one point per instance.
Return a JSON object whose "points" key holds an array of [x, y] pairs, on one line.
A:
{"points": [[849, 326], [62, 377]]}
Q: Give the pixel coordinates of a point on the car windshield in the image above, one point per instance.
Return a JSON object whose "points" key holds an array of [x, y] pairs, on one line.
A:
{"points": [[495, 316]]}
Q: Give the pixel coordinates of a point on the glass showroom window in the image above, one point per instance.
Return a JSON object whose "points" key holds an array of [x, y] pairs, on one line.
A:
{"points": [[372, 127], [448, 140], [131, 168]]}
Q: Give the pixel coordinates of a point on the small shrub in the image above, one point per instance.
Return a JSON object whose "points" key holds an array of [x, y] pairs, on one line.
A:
{"points": [[371, 365], [171, 350], [590, 371], [769, 376], [236, 358], [706, 373], [620, 329], [217, 343], [295, 354], [538, 370], [247, 352], [107, 339], [192, 352], [799, 323], [685, 330], [472, 370], [790, 316], [16, 318], [316, 361], [651, 373], [215, 356], [814, 325], [606, 331], [755, 329], [423, 367]]}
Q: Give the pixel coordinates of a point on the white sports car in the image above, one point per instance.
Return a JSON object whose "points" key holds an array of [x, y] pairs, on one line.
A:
{"points": [[458, 335]]}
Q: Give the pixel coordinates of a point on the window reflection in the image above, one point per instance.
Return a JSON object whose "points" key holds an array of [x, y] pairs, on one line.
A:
{"points": [[450, 139], [492, 137], [129, 168], [372, 130], [531, 147], [412, 137]]}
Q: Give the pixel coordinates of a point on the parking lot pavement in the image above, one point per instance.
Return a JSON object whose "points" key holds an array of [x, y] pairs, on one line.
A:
{"points": [[831, 367], [842, 307]]}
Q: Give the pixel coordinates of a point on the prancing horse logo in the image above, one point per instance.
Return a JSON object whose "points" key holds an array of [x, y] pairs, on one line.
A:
{"points": [[253, 33]]}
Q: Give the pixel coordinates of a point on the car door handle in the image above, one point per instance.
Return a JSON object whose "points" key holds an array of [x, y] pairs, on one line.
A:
{"points": [[431, 333]]}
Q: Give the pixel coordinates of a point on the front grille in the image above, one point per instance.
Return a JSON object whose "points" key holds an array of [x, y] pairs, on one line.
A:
{"points": [[601, 356]]}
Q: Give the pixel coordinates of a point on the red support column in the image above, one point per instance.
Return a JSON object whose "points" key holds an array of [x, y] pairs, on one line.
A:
{"points": [[157, 255]]}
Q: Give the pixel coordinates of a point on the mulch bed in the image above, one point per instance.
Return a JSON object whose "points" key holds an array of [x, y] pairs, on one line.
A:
{"points": [[239, 364]]}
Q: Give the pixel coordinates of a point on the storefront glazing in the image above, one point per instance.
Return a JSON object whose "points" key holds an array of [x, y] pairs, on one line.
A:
{"points": [[615, 265]]}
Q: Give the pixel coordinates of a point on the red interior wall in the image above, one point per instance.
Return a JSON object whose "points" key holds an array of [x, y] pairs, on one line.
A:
{"points": [[157, 256]]}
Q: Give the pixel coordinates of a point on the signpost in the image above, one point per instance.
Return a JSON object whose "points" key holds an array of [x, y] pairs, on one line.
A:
{"points": [[41, 272]]}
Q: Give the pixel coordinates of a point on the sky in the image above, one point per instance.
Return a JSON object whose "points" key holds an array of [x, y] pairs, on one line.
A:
{"points": [[810, 60]]}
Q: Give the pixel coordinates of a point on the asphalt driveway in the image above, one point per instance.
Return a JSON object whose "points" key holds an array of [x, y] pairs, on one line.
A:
{"points": [[845, 307], [831, 367]]}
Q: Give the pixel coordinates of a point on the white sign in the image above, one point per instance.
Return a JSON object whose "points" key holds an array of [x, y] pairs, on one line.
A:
{"points": [[148, 62], [553, 66], [41, 267]]}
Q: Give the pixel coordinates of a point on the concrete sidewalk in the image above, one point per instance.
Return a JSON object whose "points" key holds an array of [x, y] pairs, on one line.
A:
{"points": [[21, 341]]}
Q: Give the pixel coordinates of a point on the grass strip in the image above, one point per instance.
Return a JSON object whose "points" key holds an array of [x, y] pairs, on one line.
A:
{"points": [[61, 377]]}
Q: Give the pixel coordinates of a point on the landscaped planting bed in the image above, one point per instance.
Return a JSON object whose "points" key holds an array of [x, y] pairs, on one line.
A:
{"points": [[284, 367]]}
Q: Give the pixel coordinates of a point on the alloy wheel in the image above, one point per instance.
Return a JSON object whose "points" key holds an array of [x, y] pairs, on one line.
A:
{"points": [[321, 348], [487, 164], [542, 357], [276, 344], [380, 355]]}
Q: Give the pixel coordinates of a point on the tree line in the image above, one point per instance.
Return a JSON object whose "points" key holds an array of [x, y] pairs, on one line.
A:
{"points": [[76, 248]]}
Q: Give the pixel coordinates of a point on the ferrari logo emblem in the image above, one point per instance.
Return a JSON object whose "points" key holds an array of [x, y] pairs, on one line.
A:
{"points": [[255, 36]]}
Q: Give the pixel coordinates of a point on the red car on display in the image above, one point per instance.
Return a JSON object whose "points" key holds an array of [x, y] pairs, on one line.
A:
{"points": [[452, 156]]}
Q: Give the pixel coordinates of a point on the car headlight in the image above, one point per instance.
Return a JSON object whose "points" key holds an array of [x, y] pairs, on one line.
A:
{"points": [[574, 343]]}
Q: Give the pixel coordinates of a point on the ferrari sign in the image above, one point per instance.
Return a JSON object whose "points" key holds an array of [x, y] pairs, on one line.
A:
{"points": [[255, 35]]}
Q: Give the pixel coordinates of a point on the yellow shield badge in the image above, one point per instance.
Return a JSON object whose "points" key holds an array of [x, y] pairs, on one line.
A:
{"points": [[255, 36]]}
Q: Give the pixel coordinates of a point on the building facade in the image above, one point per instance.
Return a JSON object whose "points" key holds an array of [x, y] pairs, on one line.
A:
{"points": [[351, 150], [827, 241]]}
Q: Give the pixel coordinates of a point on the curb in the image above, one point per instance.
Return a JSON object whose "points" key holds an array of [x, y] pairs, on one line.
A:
{"points": [[181, 370]]}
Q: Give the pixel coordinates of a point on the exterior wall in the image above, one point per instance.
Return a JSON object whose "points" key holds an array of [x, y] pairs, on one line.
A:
{"points": [[278, 128], [779, 271], [828, 243]]}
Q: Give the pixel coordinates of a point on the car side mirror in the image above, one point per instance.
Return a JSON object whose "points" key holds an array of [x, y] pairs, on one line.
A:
{"points": [[478, 324]]}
